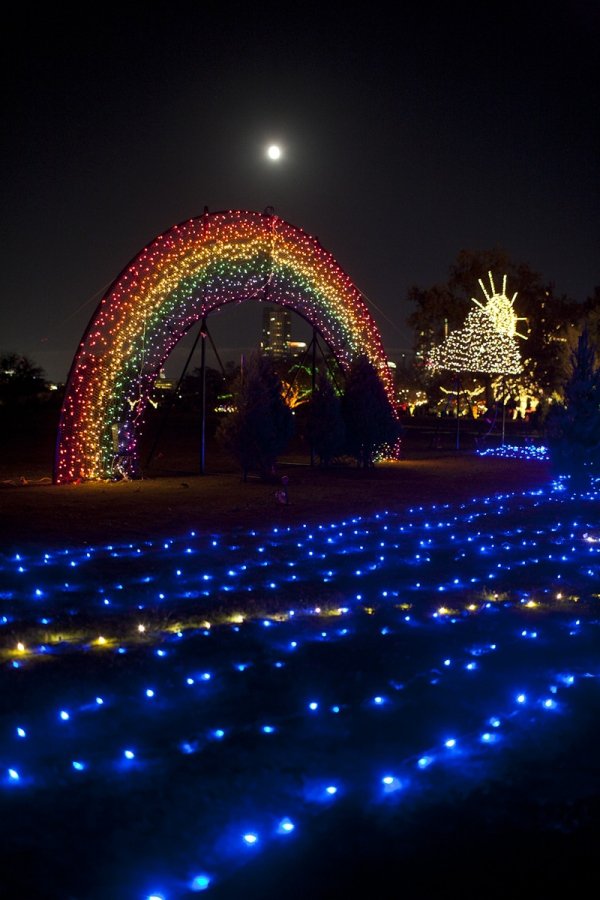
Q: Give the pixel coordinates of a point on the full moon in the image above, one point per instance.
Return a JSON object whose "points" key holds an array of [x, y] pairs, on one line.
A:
{"points": [[274, 152]]}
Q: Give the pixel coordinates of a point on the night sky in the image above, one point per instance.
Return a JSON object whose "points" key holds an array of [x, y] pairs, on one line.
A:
{"points": [[407, 136]]}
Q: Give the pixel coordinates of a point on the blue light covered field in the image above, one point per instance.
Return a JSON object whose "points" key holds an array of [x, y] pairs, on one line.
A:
{"points": [[173, 712]]}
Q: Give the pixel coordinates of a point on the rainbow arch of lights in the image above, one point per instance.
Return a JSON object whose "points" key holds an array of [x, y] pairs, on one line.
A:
{"points": [[184, 274]]}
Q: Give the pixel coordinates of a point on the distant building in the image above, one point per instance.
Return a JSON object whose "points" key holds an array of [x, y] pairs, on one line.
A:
{"points": [[162, 383], [296, 349], [276, 332]]}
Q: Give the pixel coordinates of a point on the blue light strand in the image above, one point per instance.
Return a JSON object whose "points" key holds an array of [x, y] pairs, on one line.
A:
{"points": [[479, 633]]}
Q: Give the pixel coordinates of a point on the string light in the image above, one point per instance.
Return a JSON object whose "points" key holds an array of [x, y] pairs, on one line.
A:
{"points": [[486, 342], [213, 688], [515, 451], [194, 269], [500, 309]]}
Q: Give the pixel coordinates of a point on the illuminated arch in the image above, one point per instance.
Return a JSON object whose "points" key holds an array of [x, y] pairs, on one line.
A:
{"points": [[178, 279]]}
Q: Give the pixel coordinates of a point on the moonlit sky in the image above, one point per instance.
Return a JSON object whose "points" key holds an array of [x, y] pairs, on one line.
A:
{"points": [[406, 136]]}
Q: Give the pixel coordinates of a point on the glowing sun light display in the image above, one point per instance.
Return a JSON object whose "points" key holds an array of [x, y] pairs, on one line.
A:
{"points": [[486, 342], [186, 273], [500, 309]]}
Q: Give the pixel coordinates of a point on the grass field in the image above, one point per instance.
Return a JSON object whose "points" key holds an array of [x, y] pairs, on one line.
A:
{"points": [[387, 688], [173, 497]]}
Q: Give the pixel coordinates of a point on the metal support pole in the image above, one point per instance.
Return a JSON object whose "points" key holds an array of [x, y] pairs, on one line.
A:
{"points": [[203, 333], [457, 412], [503, 405], [313, 383]]}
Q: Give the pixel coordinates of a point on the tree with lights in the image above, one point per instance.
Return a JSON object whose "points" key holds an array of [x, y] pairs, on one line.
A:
{"points": [[485, 345], [367, 412], [261, 426], [548, 319], [573, 426], [478, 347]]}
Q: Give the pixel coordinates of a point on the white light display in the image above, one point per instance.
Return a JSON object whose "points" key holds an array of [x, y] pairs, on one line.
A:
{"points": [[486, 342]]}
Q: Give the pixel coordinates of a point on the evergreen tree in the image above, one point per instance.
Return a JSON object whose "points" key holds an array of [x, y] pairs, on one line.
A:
{"points": [[368, 415], [326, 429], [215, 389], [262, 424], [573, 426]]}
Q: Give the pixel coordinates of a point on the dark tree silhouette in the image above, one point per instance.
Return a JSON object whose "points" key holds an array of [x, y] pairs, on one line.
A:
{"points": [[262, 424], [368, 414], [216, 394], [326, 429], [21, 380], [573, 426]]}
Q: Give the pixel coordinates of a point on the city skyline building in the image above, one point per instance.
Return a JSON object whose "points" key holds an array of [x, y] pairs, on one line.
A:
{"points": [[276, 332]]}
